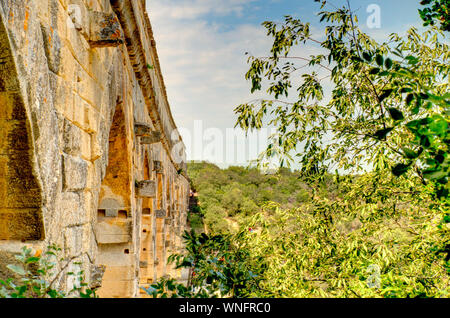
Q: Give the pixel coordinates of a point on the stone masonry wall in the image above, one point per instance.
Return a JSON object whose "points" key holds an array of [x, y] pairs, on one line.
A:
{"points": [[90, 158]]}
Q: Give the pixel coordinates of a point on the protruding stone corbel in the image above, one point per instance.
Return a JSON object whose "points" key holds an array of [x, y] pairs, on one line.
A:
{"points": [[146, 189], [155, 136], [160, 214], [142, 129], [110, 206], [104, 30], [143, 264], [157, 166]]}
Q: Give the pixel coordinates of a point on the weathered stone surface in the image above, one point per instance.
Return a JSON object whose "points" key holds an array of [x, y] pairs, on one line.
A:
{"points": [[97, 273], [74, 173], [113, 231], [160, 213], [146, 189], [69, 154], [52, 44], [154, 137], [142, 129], [157, 166], [105, 30], [72, 139]]}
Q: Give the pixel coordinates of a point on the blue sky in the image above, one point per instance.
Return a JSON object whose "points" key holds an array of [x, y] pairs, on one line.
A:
{"points": [[201, 46]]}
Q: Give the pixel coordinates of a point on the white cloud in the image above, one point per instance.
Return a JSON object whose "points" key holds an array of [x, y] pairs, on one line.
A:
{"points": [[204, 64], [193, 9]]}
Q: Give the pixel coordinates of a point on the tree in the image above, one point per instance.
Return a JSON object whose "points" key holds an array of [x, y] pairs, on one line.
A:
{"points": [[387, 109]]}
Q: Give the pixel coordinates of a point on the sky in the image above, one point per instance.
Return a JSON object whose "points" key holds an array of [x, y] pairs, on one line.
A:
{"points": [[202, 44]]}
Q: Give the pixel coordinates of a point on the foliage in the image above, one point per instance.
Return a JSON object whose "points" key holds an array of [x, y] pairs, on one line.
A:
{"points": [[381, 228], [221, 266], [36, 275], [438, 11], [330, 248], [387, 109], [237, 192], [376, 238]]}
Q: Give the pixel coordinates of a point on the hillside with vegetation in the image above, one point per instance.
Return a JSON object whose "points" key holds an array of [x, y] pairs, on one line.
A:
{"points": [[346, 236], [228, 197]]}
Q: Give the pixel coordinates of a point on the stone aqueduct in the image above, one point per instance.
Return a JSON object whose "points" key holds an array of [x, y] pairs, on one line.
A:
{"points": [[90, 158]]}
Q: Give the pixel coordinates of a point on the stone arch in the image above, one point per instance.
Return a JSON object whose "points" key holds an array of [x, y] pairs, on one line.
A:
{"points": [[117, 180], [114, 218], [20, 192]]}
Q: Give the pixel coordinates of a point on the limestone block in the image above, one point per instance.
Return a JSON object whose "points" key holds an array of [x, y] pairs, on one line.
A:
{"points": [[142, 129], [73, 240], [113, 231], [62, 95], [86, 148], [105, 30], [146, 189], [52, 46], [154, 137], [72, 211], [74, 173], [71, 139], [116, 289], [160, 214], [112, 207], [118, 273], [157, 166], [97, 273], [143, 264]]}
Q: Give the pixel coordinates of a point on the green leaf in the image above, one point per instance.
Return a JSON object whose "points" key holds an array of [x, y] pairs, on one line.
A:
{"points": [[412, 60], [400, 169], [386, 93], [406, 90], [379, 59], [367, 56], [439, 126], [374, 71], [32, 260], [395, 113], [388, 63], [18, 269], [382, 133], [434, 174], [410, 154]]}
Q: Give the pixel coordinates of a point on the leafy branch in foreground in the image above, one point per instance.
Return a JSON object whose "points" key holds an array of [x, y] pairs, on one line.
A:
{"points": [[387, 107], [221, 266], [36, 274], [438, 11]]}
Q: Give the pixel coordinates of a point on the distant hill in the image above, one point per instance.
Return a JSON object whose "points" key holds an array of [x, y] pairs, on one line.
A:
{"points": [[227, 196]]}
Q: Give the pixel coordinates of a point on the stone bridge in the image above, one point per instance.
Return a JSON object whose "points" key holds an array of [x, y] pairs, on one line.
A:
{"points": [[90, 157]]}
